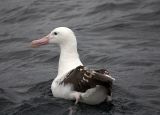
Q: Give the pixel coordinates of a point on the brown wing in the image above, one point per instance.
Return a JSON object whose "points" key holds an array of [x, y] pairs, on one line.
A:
{"points": [[84, 79]]}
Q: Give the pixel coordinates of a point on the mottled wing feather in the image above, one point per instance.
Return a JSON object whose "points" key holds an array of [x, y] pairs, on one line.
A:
{"points": [[83, 79]]}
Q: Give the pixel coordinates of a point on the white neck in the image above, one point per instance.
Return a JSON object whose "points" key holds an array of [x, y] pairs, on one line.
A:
{"points": [[69, 58]]}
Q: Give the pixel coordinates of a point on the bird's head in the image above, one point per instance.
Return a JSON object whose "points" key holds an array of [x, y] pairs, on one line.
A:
{"points": [[60, 36]]}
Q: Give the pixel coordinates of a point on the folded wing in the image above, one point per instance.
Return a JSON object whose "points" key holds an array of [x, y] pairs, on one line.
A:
{"points": [[83, 79]]}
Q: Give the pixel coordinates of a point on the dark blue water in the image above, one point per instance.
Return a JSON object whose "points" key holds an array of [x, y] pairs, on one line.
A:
{"points": [[121, 35]]}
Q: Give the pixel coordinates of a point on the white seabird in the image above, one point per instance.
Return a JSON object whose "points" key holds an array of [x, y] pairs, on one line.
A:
{"points": [[69, 60]]}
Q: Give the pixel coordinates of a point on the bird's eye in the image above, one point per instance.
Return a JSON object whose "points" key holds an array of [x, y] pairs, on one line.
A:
{"points": [[55, 33]]}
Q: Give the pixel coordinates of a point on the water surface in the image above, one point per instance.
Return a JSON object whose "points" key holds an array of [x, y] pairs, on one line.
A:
{"points": [[121, 35]]}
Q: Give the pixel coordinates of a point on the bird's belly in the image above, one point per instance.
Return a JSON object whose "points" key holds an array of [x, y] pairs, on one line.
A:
{"points": [[92, 96], [61, 91]]}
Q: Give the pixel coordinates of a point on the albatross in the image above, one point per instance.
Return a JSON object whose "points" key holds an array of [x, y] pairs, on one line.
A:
{"points": [[75, 81]]}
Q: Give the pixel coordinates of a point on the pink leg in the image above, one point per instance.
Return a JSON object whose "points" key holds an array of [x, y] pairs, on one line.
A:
{"points": [[77, 96]]}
